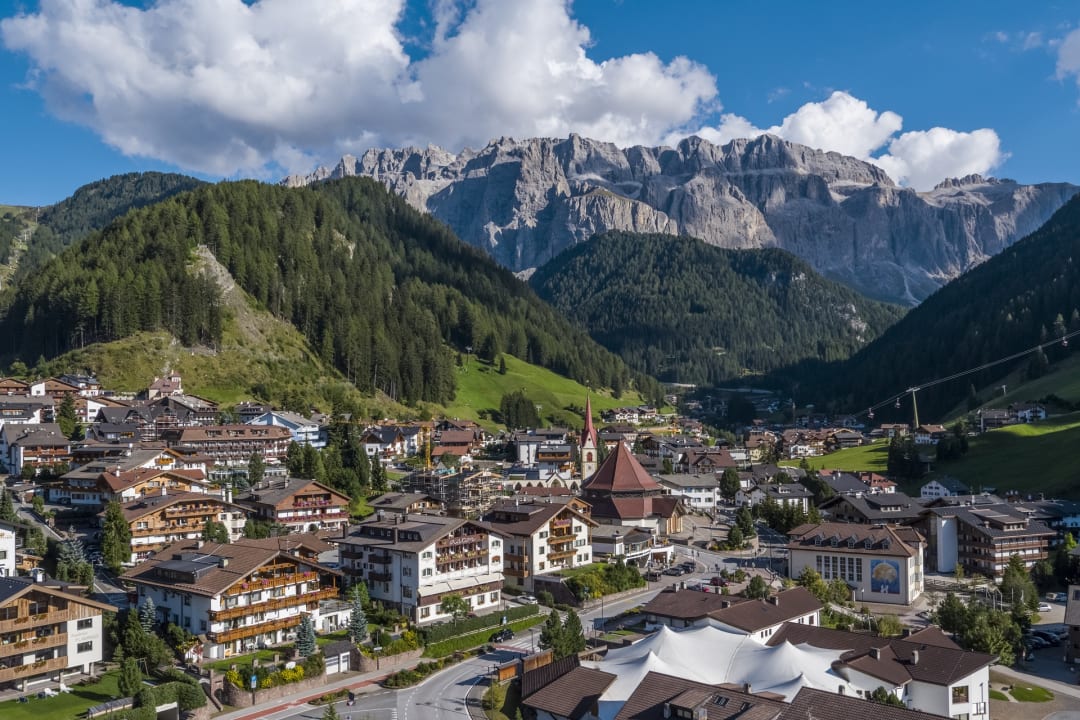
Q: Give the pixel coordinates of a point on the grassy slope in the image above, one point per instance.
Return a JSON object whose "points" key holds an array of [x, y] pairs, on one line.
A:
{"points": [[481, 387], [65, 705], [1063, 380], [1030, 458]]}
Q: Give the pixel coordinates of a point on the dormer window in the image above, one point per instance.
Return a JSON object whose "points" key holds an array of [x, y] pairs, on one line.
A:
{"points": [[817, 540], [851, 542], [835, 541], [869, 543]]}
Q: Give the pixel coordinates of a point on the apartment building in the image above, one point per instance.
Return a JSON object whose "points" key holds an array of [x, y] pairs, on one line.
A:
{"points": [[542, 537], [233, 445], [239, 596], [410, 562], [300, 505], [7, 549], [45, 632], [159, 520], [982, 538], [462, 493]]}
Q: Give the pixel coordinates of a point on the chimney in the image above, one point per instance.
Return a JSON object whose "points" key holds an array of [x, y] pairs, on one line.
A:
{"points": [[725, 604], [775, 600], [914, 657], [164, 491], [199, 544], [228, 494], [875, 653], [747, 688], [223, 562]]}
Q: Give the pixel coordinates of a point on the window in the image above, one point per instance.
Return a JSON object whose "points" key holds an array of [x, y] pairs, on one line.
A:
{"points": [[496, 543], [426, 572], [426, 555], [202, 625], [84, 624], [187, 599], [540, 550], [494, 596], [425, 612], [543, 534], [84, 647], [406, 571], [960, 694]]}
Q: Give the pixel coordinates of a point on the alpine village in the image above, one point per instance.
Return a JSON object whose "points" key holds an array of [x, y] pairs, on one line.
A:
{"points": [[735, 424]]}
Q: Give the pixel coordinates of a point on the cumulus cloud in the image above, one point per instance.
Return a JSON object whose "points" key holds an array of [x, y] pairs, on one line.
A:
{"points": [[1068, 60], [225, 87], [845, 124]]}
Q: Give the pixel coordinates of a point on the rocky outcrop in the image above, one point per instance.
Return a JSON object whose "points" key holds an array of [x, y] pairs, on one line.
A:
{"points": [[526, 201]]}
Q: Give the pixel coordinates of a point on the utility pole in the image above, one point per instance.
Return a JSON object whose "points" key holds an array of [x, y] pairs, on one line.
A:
{"points": [[914, 404]]}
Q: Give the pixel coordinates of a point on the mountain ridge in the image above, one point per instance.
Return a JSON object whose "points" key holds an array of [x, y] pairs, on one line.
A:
{"points": [[525, 201]]}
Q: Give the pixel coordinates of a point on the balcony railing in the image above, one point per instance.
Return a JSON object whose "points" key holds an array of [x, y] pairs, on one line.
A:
{"points": [[561, 540], [352, 555], [512, 557], [191, 510], [30, 621], [560, 554], [380, 559], [20, 672], [252, 630], [273, 604], [516, 572], [24, 646], [561, 523], [264, 583]]}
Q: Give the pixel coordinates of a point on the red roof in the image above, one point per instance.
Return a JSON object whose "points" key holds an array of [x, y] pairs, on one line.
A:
{"points": [[621, 473]]}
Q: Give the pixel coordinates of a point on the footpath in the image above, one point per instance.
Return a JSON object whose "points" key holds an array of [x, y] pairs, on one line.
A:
{"points": [[356, 682]]}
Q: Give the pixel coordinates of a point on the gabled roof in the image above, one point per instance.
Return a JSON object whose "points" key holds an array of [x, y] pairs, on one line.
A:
{"points": [[887, 540], [658, 691], [621, 473], [150, 504], [118, 482], [279, 492], [923, 658], [525, 519], [573, 694], [754, 615], [14, 587], [811, 703], [34, 435]]}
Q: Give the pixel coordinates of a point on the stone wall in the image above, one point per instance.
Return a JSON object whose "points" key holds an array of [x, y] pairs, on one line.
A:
{"points": [[389, 663], [242, 698]]}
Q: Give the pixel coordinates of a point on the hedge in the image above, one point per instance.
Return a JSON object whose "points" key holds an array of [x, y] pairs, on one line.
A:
{"points": [[444, 631], [466, 642], [187, 695]]}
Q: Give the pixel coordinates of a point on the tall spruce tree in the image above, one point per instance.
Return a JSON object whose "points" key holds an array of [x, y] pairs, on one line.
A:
{"points": [[115, 537], [305, 636], [358, 625], [148, 615], [130, 681]]}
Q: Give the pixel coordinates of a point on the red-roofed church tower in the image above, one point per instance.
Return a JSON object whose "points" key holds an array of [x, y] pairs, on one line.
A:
{"points": [[589, 446]]}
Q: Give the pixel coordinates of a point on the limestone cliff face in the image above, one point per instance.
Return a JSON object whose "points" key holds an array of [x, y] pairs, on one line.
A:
{"points": [[526, 201]]}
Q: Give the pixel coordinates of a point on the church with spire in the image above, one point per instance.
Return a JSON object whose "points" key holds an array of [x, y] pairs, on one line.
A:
{"points": [[589, 450]]}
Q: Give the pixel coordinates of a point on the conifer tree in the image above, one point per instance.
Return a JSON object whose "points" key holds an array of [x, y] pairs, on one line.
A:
{"points": [[358, 625], [305, 636], [115, 537]]}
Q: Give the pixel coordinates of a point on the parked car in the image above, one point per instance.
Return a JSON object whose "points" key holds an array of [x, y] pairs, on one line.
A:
{"points": [[717, 581], [1047, 637], [688, 566], [528, 600], [675, 570], [1044, 607], [652, 575], [1034, 642], [1055, 597], [501, 635]]}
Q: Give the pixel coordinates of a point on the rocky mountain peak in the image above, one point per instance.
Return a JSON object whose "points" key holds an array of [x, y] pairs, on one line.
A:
{"points": [[525, 201]]}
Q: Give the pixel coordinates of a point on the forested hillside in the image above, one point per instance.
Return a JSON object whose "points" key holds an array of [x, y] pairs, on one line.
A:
{"points": [[95, 205], [1028, 294], [684, 311], [11, 227], [378, 289]]}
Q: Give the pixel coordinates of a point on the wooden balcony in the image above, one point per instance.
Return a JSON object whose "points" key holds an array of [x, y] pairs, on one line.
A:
{"points": [[252, 630], [561, 523], [273, 604], [380, 559], [33, 644], [561, 539], [380, 576], [272, 582], [516, 572], [352, 555], [560, 554], [188, 510], [40, 667], [27, 621], [512, 557]]}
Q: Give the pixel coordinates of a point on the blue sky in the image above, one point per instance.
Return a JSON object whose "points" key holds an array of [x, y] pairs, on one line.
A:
{"points": [[220, 89]]}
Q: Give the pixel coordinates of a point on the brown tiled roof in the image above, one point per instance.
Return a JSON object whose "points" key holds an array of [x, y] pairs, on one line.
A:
{"points": [[153, 503], [573, 695], [689, 604], [621, 473], [938, 664], [279, 492], [722, 702], [629, 508], [244, 557], [130, 478], [231, 433], [898, 541], [812, 704], [757, 615], [534, 680], [531, 516]]}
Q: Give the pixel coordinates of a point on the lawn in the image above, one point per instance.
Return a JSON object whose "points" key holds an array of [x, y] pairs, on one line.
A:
{"points": [[1031, 693], [998, 695], [581, 570], [1063, 380], [242, 661], [64, 706], [1031, 458], [480, 388], [507, 699], [874, 458]]}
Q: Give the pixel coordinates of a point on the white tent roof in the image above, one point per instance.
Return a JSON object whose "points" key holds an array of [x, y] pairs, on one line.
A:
{"points": [[714, 656]]}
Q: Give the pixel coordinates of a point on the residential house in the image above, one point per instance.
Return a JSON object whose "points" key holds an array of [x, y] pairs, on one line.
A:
{"points": [[660, 696], [699, 492], [622, 493], [24, 410], [636, 547], [782, 494], [406, 504], [299, 505], [164, 387], [844, 483], [943, 487], [710, 460], [54, 388], [34, 446], [891, 430], [872, 508], [233, 445], [542, 537], [990, 418], [527, 443], [383, 442], [88, 385], [128, 485], [982, 538], [159, 520], [238, 596], [303, 431], [7, 549], [930, 434], [190, 410], [1026, 412], [881, 563], [14, 386], [112, 476], [926, 670], [46, 632], [758, 619], [564, 690], [411, 562], [843, 439]]}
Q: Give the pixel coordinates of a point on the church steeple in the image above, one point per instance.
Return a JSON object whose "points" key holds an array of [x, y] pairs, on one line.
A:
{"points": [[588, 443]]}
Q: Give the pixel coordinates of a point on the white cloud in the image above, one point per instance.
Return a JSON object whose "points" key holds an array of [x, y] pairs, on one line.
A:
{"points": [[1068, 59], [845, 124], [224, 87], [923, 158]]}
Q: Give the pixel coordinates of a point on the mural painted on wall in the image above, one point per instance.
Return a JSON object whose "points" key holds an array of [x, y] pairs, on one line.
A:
{"points": [[885, 576]]}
